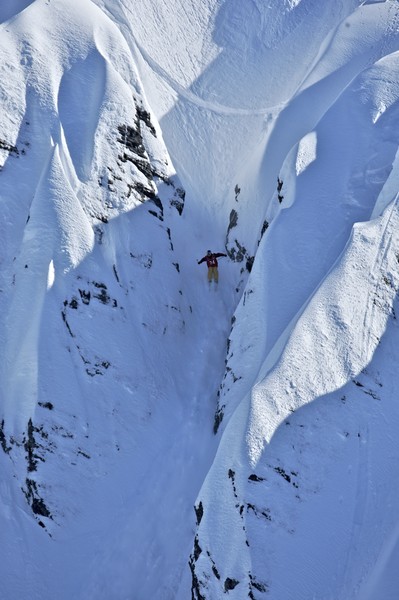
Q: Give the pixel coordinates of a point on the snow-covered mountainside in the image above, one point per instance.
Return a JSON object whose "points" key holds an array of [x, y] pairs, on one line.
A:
{"points": [[166, 439]]}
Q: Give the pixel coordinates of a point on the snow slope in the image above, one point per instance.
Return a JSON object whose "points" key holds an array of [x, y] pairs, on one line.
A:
{"points": [[162, 439], [88, 201], [307, 479]]}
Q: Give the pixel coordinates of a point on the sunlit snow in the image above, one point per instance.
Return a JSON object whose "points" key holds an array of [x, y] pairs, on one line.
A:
{"points": [[163, 438]]}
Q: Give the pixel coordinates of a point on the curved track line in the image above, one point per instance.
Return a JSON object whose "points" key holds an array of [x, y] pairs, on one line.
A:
{"points": [[191, 97], [122, 19]]}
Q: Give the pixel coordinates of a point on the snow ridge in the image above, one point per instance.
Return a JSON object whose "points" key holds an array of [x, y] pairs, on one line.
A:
{"points": [[333, 350]]}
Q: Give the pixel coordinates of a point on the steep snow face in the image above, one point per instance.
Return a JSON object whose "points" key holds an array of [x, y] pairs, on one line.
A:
{"points": [[343, 171], [95, 316], [305, 352], [94, 159], [310, 489], [130, 391], [233, 99], [241, 80]]}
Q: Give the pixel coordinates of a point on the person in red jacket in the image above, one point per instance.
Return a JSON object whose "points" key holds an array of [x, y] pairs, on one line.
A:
{"points": [[212, 263]]}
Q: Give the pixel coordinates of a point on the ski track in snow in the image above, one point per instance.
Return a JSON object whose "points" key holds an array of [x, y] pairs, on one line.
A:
{"points": [[178, 89], [186, 94]]}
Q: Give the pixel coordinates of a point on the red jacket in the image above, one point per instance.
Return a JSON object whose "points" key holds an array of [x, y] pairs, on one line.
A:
{"points": [[211, 259]]}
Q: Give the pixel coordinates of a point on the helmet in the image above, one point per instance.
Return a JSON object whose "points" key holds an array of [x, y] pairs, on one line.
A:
{"points": [[208, 252]]}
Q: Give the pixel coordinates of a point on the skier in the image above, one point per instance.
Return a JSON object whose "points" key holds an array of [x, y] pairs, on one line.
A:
{"points": [[212, 263]]}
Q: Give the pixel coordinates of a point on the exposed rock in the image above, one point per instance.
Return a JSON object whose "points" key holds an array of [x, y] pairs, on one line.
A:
{"points": [[178, 200], [219, 414], [195, 584], [237, 191], [85, 296], [30, 445], [47, 405], [254, 477], [145, 116], [230, 584], [34, 500], [3, 440], [264, 227], [232, 221], [197, 549], [199, 512], [8, 147]]}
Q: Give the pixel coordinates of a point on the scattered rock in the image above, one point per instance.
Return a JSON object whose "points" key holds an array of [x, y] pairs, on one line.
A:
{"points": [[85, 296], [34, 500], [30, 445], [74, 303], [8, 147], [237, 191], [47, 405], [230, 584], [254, 477]]}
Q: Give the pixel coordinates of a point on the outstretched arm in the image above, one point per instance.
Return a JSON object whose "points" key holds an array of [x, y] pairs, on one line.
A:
{"points": [[219, 254], [202, 260]]}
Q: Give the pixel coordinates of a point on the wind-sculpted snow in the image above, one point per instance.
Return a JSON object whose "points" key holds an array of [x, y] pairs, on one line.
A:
{"points": [[162, 438], [84, 116], [92, 300], [317, 434]]}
